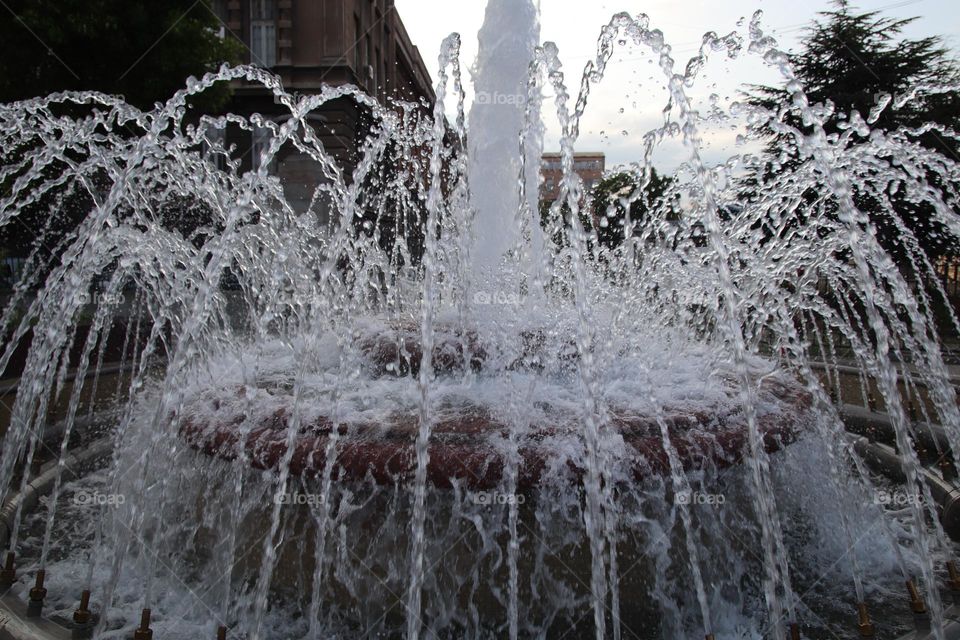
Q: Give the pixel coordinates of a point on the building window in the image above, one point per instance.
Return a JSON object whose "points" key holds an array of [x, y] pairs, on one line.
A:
{"points": [[263, 33], [371, 61], [261, 143], [223, 15], [357, 49], [220, 9]]}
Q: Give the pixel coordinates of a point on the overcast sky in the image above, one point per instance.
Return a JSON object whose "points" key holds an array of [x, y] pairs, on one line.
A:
{"points": [[634, 84]]}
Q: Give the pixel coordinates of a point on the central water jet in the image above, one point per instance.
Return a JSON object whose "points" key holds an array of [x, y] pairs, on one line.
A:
{"points": [[502, 110]]}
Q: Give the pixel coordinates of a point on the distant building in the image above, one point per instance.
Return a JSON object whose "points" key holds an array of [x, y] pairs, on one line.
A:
{"points": [[589, 166], [309, 43]]}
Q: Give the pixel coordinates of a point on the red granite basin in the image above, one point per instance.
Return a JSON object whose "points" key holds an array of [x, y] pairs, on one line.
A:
{"points": [[462, 446]]}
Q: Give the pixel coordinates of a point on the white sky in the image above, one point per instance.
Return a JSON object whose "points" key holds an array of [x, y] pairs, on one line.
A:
{"points": [[634, 84]]}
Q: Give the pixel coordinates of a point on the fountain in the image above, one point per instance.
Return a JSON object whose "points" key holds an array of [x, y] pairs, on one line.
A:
{"points": [[542, 437], [500, 110]]}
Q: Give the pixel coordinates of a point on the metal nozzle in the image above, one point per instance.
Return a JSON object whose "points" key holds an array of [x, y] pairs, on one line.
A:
{"points": [[82, 615], [38, 593], [864, 625], [222, 633], [8, 575], [916, 602], [954, 576], [947, 469], [144, 632]]}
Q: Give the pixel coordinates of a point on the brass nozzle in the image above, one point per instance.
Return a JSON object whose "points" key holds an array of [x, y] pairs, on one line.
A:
{"points": [[947, 469], [38, 593], [954, 581], [863, 621], [222, 633], [794, 631], [916, 602], [82, 615], [8, 575], [144, 632]]}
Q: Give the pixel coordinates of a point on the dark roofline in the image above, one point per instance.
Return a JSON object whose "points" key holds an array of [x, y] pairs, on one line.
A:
{"points": [[557, 154]]}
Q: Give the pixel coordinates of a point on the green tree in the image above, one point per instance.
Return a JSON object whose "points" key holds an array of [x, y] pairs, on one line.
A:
{"points": [[143, 50], [848, 59], [618, 193]]}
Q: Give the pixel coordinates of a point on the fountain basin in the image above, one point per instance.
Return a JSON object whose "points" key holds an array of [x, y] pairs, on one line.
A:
{"points": [[471, 449]]}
